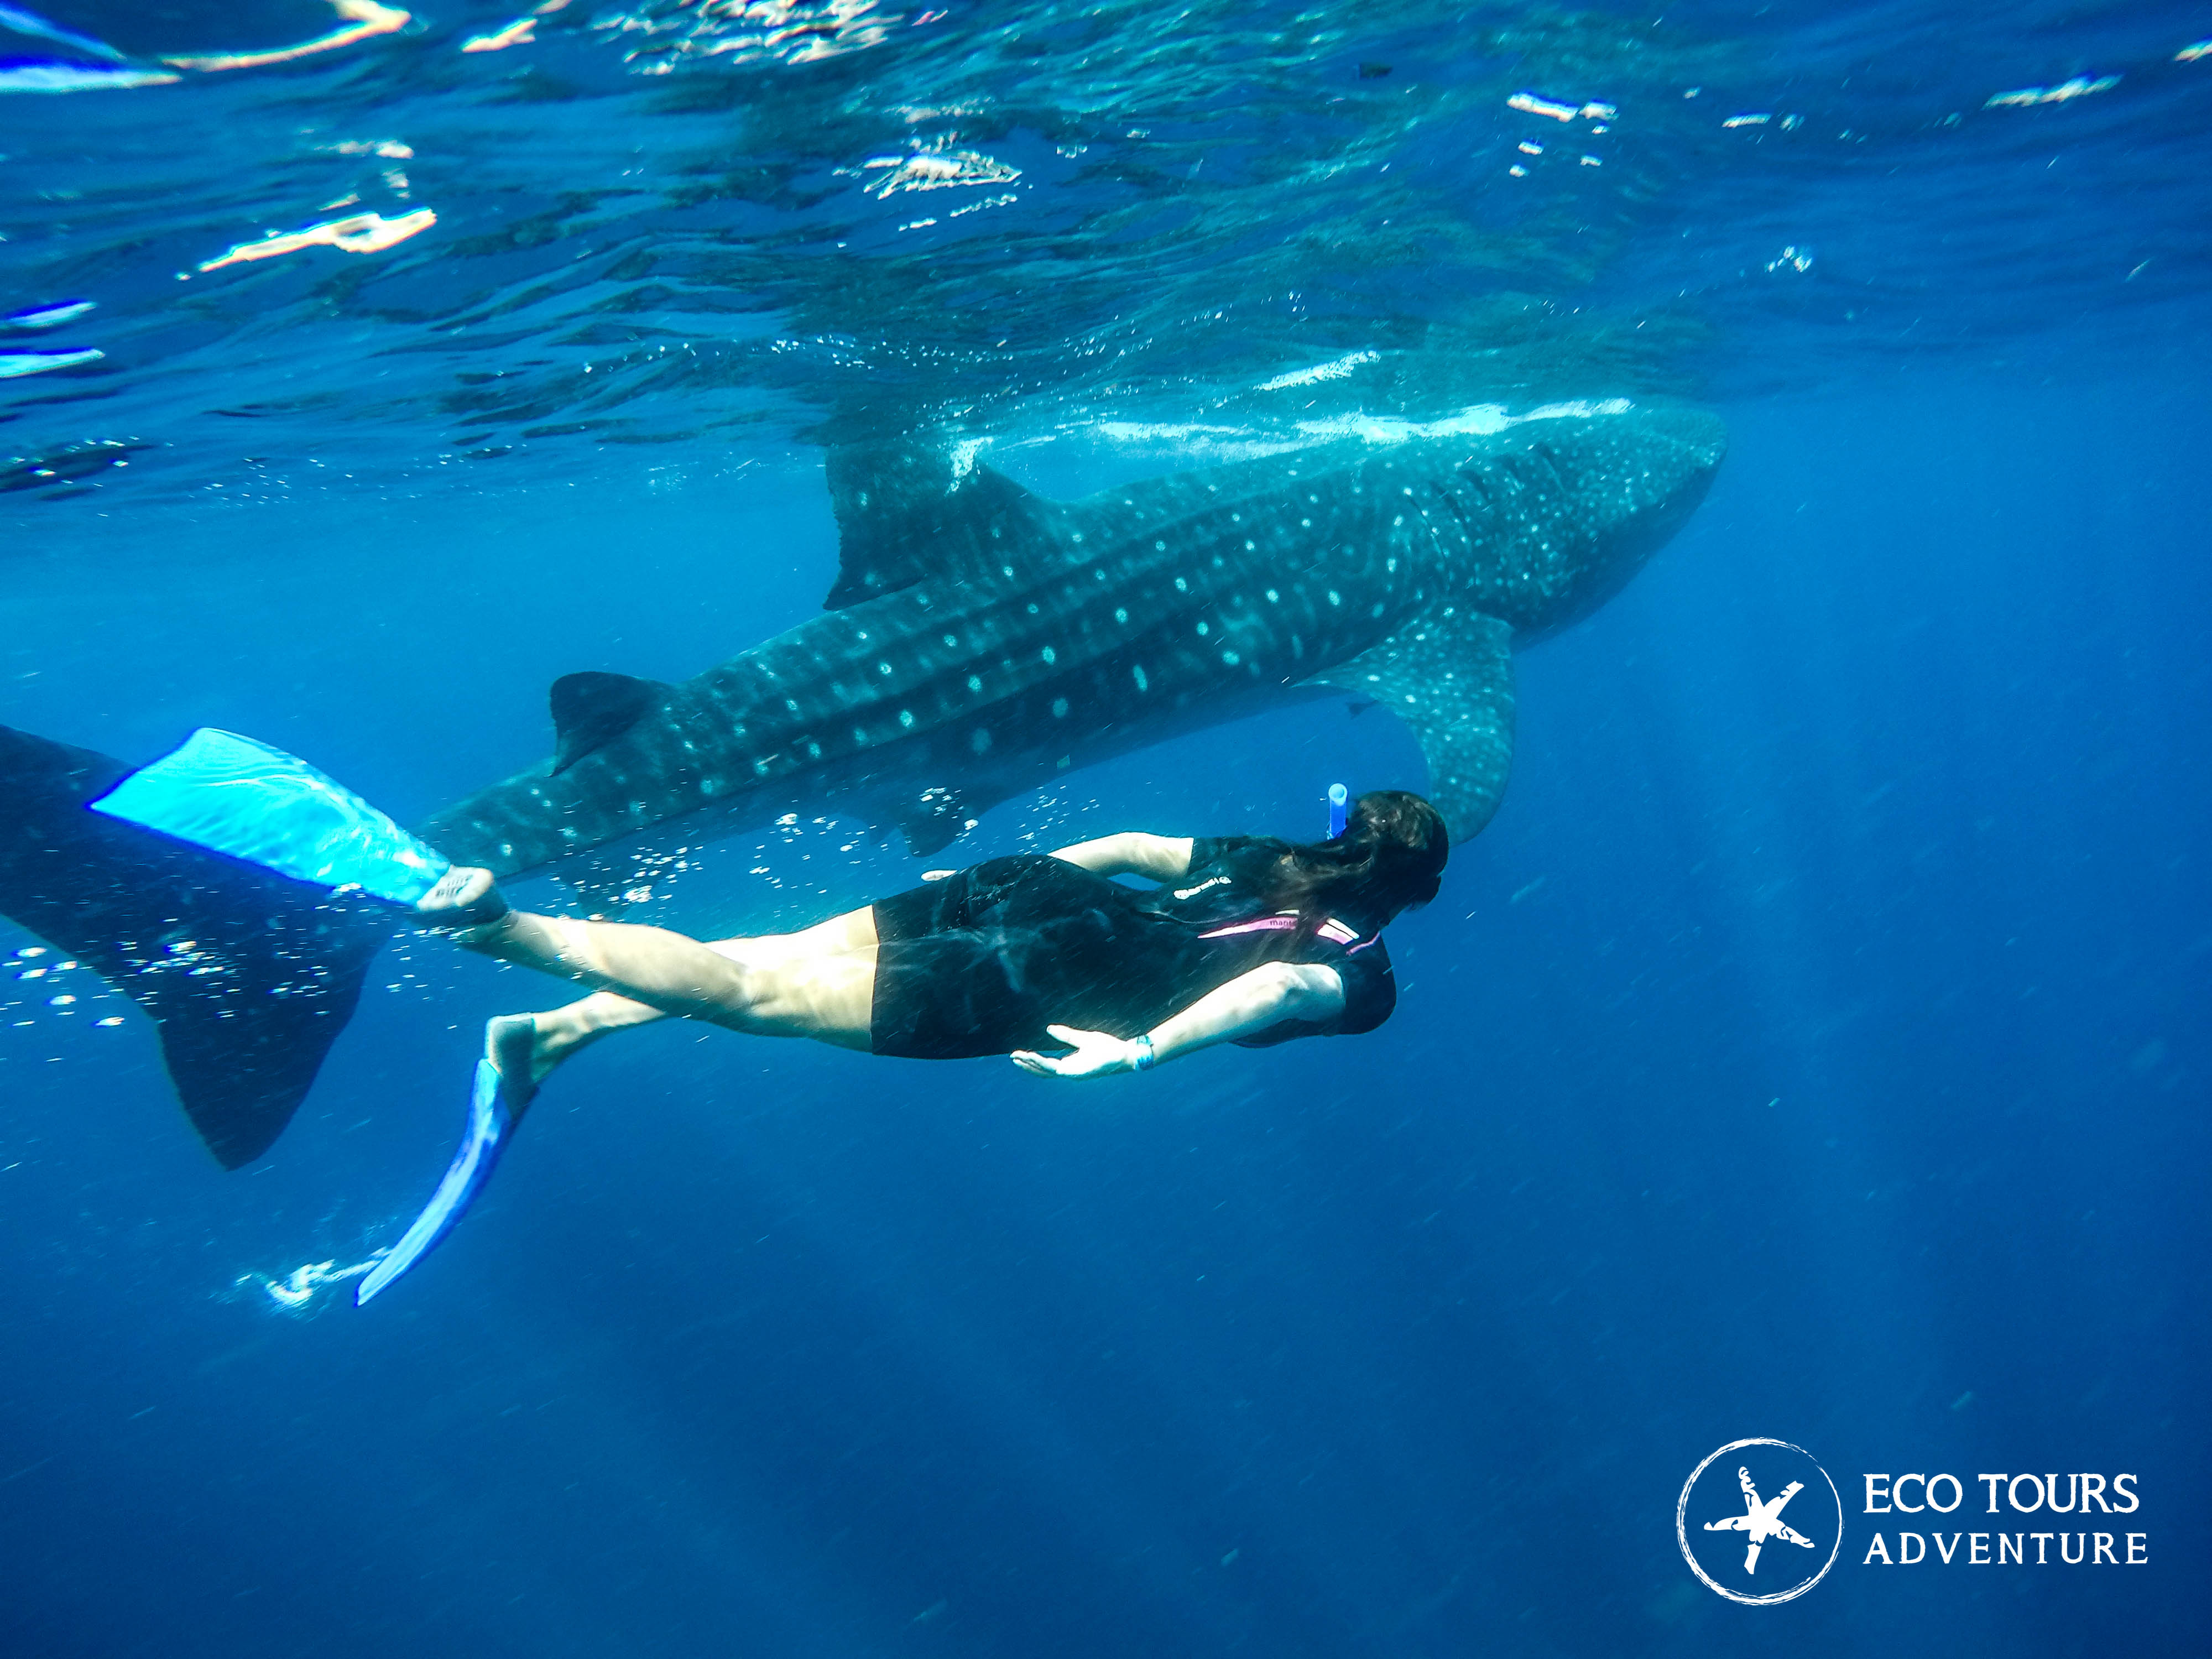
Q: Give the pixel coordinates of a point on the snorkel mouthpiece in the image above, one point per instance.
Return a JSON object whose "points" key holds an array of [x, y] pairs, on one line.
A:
{"points": [[1338, 796]]}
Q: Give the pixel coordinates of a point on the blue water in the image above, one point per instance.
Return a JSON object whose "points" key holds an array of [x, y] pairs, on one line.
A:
{"points": [[1814, 1046]]}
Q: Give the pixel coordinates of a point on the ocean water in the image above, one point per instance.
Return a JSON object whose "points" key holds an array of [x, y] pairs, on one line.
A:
{"points": [[1813, 1047]]}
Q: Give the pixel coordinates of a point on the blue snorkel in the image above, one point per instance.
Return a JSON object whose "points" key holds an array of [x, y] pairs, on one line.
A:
{"points": [[1338, 798]]}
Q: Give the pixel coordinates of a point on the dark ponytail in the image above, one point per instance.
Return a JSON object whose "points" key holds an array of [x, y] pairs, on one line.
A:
{"points": [[1390, 858]]}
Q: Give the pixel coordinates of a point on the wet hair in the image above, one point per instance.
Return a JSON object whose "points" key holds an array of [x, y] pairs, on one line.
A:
{"points": [[1390, 858]]}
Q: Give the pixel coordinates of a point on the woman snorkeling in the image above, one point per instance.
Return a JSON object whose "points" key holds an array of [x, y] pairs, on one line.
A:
{"points": [[1246, 939], [1046, 959]]}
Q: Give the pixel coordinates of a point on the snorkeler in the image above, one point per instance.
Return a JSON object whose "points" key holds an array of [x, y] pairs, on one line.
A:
{"points": [[1244, 939]]}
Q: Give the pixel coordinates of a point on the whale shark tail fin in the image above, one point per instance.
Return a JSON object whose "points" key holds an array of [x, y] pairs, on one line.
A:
{"points": [[248, 975], [1449, 678], [910, 510]]}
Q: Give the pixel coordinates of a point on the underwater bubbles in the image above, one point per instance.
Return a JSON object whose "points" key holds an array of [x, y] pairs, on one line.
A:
{"points": [[300, 1289]]}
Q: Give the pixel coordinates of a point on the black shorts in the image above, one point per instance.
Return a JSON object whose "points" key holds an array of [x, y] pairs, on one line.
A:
{"points": [[981, 962]]}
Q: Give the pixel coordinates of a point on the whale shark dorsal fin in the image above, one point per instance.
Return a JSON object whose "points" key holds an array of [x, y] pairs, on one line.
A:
{"points": [[908, 511], [1449, 676], [591, 709]]}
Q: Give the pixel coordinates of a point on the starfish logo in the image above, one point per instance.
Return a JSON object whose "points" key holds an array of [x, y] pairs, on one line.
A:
{"points": [[1708, 1507], [1762, 1521]]}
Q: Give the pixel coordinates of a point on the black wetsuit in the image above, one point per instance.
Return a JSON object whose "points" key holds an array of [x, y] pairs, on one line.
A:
{"points": [[981, 962]]}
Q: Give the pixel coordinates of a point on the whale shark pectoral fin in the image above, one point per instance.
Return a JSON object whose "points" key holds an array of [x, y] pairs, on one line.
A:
{"points": [[248, 975], [1450, 678], [591, 709], [909, 511]]}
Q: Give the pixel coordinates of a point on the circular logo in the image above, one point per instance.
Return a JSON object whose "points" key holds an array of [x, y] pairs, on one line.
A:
{"points": [[1760, 1522]]}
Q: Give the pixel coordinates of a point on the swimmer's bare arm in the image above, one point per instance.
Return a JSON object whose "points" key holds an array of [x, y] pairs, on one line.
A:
{"points": [[1270, 993], [1132, 852]]}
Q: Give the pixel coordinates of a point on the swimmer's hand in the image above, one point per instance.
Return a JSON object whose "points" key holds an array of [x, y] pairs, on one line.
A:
{"points": [[1097, 1055]]}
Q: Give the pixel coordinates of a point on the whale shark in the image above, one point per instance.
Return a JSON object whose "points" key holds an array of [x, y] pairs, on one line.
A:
{"points": [[978, 639]]}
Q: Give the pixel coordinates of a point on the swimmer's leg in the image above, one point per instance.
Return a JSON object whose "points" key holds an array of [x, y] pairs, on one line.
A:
{"points": [[775, 987], [563, 1031], [767, 988]]}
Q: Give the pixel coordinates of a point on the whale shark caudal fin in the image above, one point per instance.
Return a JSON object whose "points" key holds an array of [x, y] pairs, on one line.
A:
{"points": [[908, 511], [591, 709], [1450, 678], [249, 976]]}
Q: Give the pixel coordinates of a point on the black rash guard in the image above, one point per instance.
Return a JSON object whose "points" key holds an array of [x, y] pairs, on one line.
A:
{"points": [[981, 962]]}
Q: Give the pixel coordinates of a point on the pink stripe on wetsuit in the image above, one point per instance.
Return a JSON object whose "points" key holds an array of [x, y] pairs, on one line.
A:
{"points": [[1283, 921]]}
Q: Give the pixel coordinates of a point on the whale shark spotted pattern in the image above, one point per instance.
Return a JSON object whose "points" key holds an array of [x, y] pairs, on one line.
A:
{"points": [[982, 638], [979, 640]]}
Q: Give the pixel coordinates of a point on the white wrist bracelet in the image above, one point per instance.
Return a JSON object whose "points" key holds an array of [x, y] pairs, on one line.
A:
{"points": [[1144, 1059]]}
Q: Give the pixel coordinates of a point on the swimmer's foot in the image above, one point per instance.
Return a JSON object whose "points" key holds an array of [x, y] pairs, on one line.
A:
{"points": [[464, 897], [512, 1048]]}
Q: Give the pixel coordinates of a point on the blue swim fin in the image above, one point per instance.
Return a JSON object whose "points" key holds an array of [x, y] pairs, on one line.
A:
{"points": [[235, 796], [493, 1109]]}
